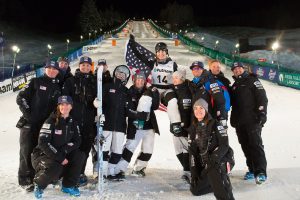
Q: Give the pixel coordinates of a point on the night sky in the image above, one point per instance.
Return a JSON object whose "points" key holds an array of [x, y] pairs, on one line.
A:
{"points": [[62, 15]]}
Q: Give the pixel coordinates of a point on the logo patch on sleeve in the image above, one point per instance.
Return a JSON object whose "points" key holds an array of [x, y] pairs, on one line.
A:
{"points": [[46, 126], [43, 88], [58, 132]]}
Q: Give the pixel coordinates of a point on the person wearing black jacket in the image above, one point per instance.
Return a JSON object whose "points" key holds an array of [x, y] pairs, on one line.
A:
{"points": [[36, 102], [209, 149], [145, 135], [215, 70], [204, 81], [83, 90], [180, 140], [248, 116], [64, 70], [116, 108], [57, 153]]}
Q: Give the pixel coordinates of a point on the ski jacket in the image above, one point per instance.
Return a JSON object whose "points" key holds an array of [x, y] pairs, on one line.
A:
{"points": [[248, 100], [210, 139], [134, 96], [83, 90], [63, 76], [57, 138], [115, 106], [39, 99], [220, 77], [184, 97]]}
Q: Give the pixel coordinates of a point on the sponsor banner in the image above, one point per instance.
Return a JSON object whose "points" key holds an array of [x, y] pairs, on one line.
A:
{"points": [[267, 73], [6, 87], [18, 82], [86, 49], [29, 76], [289, 79]]}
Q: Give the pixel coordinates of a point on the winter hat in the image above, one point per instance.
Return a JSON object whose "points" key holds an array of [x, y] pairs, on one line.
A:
{"points": [[65, 99], [197, 64], [140, 75], [236, 64], [85, 59], [52, 64], [180, 73], [65, 59], [201, 102], [122, 69], [101, 62]]}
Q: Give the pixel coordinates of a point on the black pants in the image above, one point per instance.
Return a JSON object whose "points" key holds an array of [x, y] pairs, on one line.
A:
{"points": [[251, 142], [88, 134], [48, 170], [220, 182], [28, 140]]}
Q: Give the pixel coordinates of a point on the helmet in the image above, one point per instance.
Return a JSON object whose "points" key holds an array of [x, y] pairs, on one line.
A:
{"points": [[122, 72], [161, 46]]}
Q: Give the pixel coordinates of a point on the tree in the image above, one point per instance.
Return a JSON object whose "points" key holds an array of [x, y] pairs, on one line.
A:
{"points": [[89, 18]]}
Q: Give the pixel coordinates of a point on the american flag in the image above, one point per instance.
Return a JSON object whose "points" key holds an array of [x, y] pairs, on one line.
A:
{"points": [[136, 65], [133, 62]]}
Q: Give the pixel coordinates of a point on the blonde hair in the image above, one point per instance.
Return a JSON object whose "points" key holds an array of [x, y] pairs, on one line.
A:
{"points": [[211, 61]]}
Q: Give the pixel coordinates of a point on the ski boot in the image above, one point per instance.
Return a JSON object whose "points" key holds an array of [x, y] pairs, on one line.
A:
{"points": [[260, 178], [73, 191], [38, 192], [139, 173], [249, 176], [186, 176], [83, 180], [120, 176]]}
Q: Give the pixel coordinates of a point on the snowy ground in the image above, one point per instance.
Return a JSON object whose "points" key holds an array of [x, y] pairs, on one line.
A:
{"points": [[280, 135]]}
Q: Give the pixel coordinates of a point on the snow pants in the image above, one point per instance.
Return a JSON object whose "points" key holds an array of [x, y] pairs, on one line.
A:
{"points": [[48, 170], [181, 150]]}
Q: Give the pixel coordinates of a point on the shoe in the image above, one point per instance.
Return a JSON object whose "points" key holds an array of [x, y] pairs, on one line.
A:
{"points": [[73, 191], [120, 176], [111, 177], [83, 180], [249, 176], [260, 178], [28, 188], [38, 192], [140, 173], [186, 176]]}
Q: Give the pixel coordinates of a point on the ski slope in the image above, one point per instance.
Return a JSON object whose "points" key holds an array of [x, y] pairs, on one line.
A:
{"points": [[280, 135]]}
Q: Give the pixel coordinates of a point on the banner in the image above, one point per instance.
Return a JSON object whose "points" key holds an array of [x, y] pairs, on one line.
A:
{"points": [[89, 48], [5, 87], [18, 82], [266, 73], [289, 79], [29, 76]]}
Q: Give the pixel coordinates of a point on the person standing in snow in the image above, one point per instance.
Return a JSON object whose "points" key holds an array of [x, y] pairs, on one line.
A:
{"points": [[209, 149], [57, 153], [248, 116], [82, 88], [215, 70], [36, 102], [135, 135], [64, 70], [180, 140]]}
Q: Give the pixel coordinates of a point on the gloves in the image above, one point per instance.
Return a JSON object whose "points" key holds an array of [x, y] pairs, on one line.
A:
{"points": [[139, 124], [262, 118], [96, 103], [22, 121], [176, 129], [131, 37]]}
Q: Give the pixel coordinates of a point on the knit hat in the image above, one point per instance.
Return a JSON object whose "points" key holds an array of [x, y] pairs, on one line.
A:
{"points": [[197, 64], [180, 73], [52, 64], [201, 102], [85, 59], [236, 64], [65, 99]]}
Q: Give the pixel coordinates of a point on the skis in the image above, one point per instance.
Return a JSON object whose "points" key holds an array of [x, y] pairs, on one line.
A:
{"points": [[100, 138]]}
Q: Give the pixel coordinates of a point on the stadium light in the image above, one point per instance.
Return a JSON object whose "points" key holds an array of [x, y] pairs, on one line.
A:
{"points": [[89, 36], [275, 46], [16, 50], [68, 41], [49, 48]]}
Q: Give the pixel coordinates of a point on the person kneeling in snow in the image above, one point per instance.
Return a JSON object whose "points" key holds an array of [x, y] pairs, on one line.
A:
{"points": [[57, 154], [210, 154]]}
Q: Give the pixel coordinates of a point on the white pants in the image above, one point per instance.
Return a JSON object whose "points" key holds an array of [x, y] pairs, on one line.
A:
{"points": [[180, 144], [114, 143], [147, 139]]}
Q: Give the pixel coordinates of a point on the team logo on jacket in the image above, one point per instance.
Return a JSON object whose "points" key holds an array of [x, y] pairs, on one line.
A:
{"points": [[43, 88], [112, 91], [58, 132]]}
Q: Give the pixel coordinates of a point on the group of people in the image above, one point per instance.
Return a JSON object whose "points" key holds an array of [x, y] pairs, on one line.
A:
{"points": [[58, 126]]}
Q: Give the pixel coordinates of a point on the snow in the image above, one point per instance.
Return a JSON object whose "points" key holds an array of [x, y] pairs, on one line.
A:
{"points": [[280, 135], [288, 55]]}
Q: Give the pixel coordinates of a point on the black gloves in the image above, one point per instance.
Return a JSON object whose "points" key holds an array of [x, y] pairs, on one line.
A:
{"points": [[262, 118], [176, 129], [143, 116]]}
